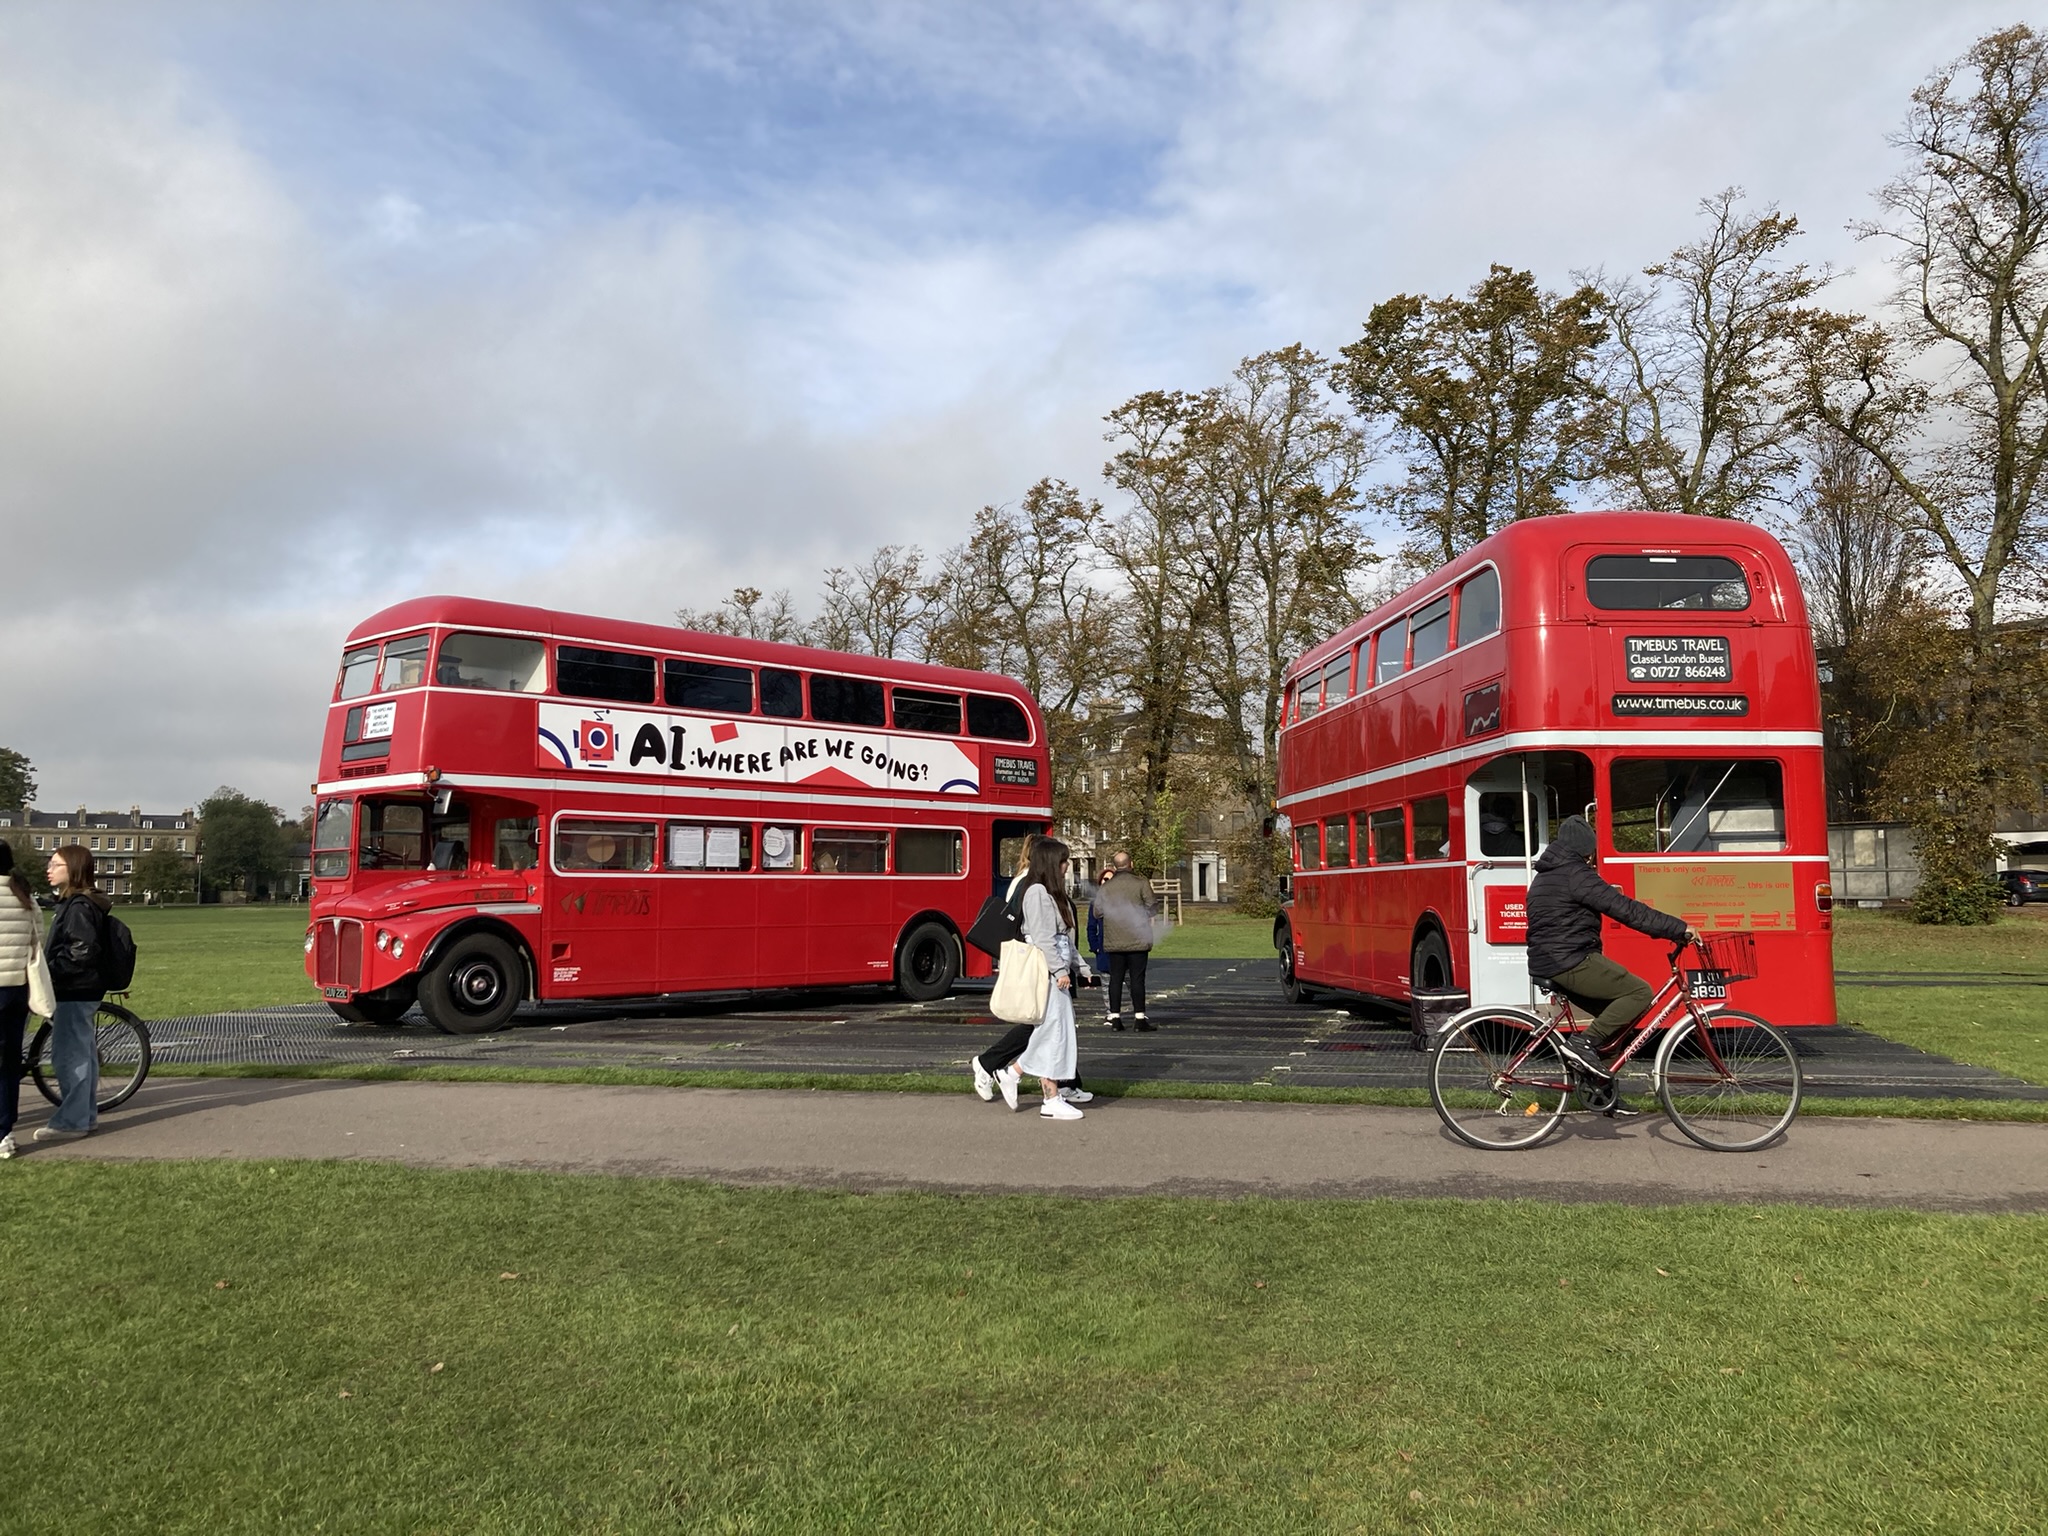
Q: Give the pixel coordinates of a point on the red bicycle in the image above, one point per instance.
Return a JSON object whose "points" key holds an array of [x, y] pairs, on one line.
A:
{"points": [[1728, 1079]]}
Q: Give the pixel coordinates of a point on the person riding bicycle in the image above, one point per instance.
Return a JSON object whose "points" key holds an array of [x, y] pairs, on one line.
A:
{"points": [[1566, 902]]}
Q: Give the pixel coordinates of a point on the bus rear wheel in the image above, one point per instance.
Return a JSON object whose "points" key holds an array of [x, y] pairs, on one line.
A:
{"points": [[473, 987], [927, 963]]}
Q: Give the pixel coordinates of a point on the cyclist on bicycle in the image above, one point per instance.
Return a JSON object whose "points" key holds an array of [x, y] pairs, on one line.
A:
{"points": [[1566, 901]]}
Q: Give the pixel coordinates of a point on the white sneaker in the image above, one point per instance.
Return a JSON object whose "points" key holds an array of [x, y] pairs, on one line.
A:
{"points": [[1007, 1081], [984, 1082], [7, 1147], [1058, 1109], [58, 1133], [1077, 1095]]}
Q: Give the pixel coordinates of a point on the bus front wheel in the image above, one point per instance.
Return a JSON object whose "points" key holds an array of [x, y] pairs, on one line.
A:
{"points": [[473, 988], [927, 963]]}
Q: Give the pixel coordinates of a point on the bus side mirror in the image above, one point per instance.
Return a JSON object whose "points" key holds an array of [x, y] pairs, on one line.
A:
{"points": [[443, 798]]}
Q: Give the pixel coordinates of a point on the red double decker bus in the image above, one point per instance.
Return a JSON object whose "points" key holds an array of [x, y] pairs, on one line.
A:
{"points": [[515, 803], [1655, 665]]}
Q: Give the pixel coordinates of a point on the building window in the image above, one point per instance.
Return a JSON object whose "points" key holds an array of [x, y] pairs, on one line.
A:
{"points": [[95, 844], [148, 843], [181, 845]]}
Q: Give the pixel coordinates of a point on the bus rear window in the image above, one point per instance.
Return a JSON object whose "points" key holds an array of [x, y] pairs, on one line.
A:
{"points": [[1697, 805], [996, 719], [505, 663], [846, 700], [916, 710], [707, 685], [1643, 583], [622, 676]]}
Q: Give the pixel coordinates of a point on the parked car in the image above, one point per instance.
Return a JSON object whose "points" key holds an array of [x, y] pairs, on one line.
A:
{"points": [[2023, 885]]}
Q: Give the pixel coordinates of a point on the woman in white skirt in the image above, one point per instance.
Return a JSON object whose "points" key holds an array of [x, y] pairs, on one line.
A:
{"points": [[1053, 1053]]}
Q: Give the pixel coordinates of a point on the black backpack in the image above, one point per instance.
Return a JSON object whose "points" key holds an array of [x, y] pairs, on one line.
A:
{"points": [[117, 954]]}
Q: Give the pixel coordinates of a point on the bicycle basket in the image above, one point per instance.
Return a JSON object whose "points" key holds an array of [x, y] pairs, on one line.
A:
{"points": [[1732, 954]]}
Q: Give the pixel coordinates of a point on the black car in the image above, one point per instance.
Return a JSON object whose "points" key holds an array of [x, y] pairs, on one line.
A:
{"points": [[2023, 885]]}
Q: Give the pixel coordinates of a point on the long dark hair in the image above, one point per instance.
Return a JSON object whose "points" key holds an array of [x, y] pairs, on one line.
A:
{"points": [[78, 871], [14, 881], [1046, 860]]}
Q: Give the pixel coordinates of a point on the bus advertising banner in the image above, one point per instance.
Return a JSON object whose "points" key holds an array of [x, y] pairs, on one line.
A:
{"points": [[580, 738], [1721, 896]]}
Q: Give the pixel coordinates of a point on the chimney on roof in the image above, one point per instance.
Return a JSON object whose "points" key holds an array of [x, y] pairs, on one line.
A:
{"points": [[135, 811]]}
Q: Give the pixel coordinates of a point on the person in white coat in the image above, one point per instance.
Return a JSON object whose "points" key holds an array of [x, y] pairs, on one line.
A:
{"points": [[21, 935], [1053, 1053]]}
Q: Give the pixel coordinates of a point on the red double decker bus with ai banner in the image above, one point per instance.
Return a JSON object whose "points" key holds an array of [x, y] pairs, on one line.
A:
{"points": [[521, 804], [1652, 671]]}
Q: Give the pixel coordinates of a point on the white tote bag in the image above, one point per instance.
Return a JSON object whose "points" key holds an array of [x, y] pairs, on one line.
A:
{"points": [[42, 992], [1022, 984]]}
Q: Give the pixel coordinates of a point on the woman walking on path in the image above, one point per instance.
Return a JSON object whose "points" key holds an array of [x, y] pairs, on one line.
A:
{"points": [[78, 943], [21, 935], [1053, 1054], [993, 1072], [1126, 903]]}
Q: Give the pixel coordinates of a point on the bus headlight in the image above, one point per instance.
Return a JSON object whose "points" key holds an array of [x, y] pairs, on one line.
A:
{"points": [[309, 941], [383, 941], [398, 949]]}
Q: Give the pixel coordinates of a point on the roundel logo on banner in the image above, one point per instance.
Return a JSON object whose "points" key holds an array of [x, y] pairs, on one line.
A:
{"points": [[594, 741]]}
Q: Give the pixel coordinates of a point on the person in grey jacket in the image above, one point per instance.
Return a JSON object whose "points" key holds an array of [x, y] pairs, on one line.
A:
{"points": [[1127, 905]]}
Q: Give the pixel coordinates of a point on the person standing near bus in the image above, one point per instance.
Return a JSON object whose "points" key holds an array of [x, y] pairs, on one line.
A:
{"points": [[21, 935], [1127, 904], [1053, 1052], [1566, 902], [78, 945]]}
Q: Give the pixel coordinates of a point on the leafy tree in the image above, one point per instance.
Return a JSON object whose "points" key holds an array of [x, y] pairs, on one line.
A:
{"points": [[164, 874], [1490, 399], [17, 780], [242, 840], [1704, 403], [1950, 401]]}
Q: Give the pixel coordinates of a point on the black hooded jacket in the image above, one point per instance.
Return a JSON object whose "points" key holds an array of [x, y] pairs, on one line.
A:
{"points": [[1567, 899], [77, 945]]}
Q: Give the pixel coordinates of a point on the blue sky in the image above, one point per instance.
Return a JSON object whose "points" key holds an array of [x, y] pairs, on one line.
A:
{"points": [[304, 309]]}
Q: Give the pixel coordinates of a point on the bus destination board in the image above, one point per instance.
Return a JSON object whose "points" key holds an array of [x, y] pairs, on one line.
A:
{"points": [[1678, 659]]}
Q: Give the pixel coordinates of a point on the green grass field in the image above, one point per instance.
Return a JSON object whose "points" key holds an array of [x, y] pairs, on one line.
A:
{"points": [[209, 959], [239, 1347]]}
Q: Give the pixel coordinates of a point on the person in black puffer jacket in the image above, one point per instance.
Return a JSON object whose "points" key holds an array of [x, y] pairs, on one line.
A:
{"points": [[76, 948], [1566, 902]]}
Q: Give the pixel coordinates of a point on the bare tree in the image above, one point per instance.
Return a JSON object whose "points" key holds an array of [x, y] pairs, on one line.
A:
{"points": [[1857, 555], [877, 606], [746, 613], [1704, 402]]}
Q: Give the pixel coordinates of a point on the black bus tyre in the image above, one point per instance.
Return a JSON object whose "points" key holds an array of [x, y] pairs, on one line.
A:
{"points": [[1746, 1104], [1465, 1084], [385, 1007], [124, 1057], [1429, 970], [1291, 986], [926, 962], [473, 987]]}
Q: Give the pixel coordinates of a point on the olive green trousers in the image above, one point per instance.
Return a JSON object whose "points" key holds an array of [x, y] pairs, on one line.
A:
{"points": [[1614, 996]]}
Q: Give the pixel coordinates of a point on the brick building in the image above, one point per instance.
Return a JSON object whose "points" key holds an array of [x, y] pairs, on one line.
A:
{"points": [[115, 839]]}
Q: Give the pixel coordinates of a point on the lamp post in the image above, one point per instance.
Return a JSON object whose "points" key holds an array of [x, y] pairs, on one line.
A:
{"points": [[199, 879]]}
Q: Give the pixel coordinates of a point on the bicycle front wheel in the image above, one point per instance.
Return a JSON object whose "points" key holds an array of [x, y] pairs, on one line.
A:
{"points": [[1732, 1087], [1495, 1085], [123, 1042]]}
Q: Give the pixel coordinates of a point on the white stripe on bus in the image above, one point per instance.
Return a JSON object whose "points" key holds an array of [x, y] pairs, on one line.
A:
{"points": [[1494, 746], [664, 791]]}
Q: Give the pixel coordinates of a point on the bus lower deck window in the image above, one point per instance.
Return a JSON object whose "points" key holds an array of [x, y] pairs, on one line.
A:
{"points": [[1644, 583], [709, 845], [505, 663], [1432, 821], [930, 851], [1308, 847], [332, 833], [1502, 817], [1389, 836], [782, 847], [1697, 805], [393, 835], [604, 846], [849, 851]]}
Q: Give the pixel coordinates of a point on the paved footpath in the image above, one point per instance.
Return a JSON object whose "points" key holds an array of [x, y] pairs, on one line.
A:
{"points": [[882, 1141]]}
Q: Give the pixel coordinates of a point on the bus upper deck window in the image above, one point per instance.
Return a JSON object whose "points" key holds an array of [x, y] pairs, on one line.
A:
{"points": [[358, 672], [505, 663], [916, 710], [1393, 652], [1431, 627], [1337, 681], [405, 663], [1479, 606], [997, 719], [782, 693], [708, 685], [1643, 583], [846, 700], [1310, 690], [624, 676]]}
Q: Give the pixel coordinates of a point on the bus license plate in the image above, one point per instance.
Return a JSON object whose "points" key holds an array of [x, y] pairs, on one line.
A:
{"points": [[338, 993], [1708, 983]]}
